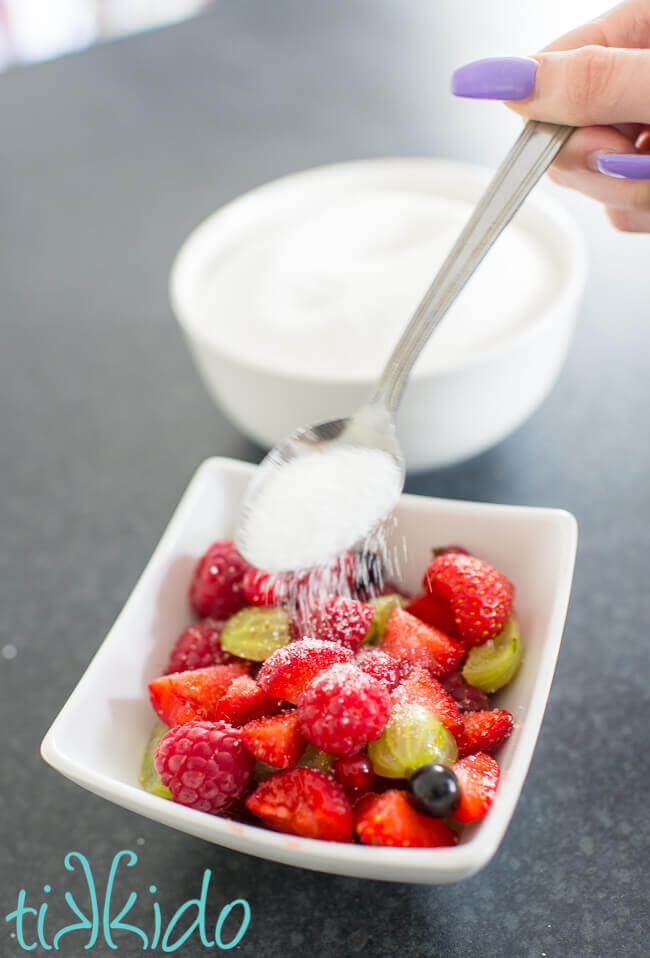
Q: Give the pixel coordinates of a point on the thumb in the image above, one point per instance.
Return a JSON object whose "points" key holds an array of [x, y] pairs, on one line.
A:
{"points": [[584, 87]]}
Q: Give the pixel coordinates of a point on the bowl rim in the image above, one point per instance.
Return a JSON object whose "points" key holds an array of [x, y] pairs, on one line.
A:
{"points": [[187, 264], [391, 864]]}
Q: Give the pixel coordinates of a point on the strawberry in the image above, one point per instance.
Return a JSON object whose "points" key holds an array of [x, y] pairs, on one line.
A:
{"points": [[264, 588], [244, 701], [406, 638], [185, 696], [302, 801], [289, 670], [434, 611], [446, 550], [478, 777], [420, 688], [279, 588], [216, 587], [481, 598], [334, 619], [390, 819], [483, 731], [275, 739]]}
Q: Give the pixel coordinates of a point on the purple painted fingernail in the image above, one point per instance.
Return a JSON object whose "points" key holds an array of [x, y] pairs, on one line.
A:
{"points": [[499, 78], [624, 166]]}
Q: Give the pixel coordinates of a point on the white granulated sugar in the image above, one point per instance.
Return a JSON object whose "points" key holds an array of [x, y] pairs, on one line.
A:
{"points": [[318, 505], [337, 281]]}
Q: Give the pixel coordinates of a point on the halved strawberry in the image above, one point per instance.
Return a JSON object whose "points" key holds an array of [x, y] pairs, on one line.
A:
{"points": [[390, 819], [481, 598], [244, 701], [279, 588], [333, 619], [408, 639], [483, 731], [288, 671], [275, 739], [434, 611], [478, 777], [264, 588], [302, 801], [420, 688], [185, 696]]}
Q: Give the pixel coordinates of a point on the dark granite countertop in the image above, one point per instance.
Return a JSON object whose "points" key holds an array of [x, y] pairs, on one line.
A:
{"points": [[107, 159]]}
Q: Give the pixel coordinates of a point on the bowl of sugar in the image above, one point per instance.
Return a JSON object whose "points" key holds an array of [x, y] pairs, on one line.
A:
{"points": [[292, 296]]}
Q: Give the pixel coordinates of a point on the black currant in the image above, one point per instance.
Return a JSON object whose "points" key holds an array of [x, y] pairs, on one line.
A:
{"points": [[435, 790]]}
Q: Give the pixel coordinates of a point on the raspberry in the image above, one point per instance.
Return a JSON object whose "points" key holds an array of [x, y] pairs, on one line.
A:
{"points": [[380, 666], [342, 709], [198, 647], [216, 588], [204, 765], [302, 801], [334, 619], [481, 598]]}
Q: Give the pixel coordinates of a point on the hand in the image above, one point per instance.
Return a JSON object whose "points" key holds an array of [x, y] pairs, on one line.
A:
{"points": [[596, 77]]}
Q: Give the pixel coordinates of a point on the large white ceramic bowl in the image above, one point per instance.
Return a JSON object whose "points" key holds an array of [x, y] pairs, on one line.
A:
{"points": [[100, 734], [446, 415]]}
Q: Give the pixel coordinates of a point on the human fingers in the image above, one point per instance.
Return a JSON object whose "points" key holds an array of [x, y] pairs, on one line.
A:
{"points": [[585, 145], [629, 221], [625, 25], [592, 85]]}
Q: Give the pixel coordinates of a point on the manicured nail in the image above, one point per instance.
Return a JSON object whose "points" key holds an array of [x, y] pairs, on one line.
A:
{"points": [[624, 166], [502, 78]]}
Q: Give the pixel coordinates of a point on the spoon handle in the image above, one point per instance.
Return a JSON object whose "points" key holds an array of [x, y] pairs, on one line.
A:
{"points": [[531, 155]]}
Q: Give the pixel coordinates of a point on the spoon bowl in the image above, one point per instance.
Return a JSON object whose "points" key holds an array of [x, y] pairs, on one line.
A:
{"points": [[369, 438]]}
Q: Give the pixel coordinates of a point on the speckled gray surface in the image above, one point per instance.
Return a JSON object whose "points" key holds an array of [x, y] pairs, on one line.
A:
{"points": [[107, 159]]}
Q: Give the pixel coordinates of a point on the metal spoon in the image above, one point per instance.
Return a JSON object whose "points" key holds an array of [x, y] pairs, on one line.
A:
{"points": [[373, 426]]}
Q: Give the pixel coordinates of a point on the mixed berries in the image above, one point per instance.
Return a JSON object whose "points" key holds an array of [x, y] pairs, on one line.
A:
{"points": [[345, 712]]}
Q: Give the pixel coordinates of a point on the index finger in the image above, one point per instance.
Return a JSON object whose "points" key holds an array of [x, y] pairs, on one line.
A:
{"points": [[626, 25]]}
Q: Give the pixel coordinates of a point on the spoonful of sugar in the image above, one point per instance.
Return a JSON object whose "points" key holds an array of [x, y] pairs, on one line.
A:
{"points": [[330, 486]]}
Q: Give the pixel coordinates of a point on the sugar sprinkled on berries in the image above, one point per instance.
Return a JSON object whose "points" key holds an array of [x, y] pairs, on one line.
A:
{"points": [[342, 709]]}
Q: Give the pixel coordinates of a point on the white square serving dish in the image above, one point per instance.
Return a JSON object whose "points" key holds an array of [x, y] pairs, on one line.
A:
{"points": [[98, 738]]}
